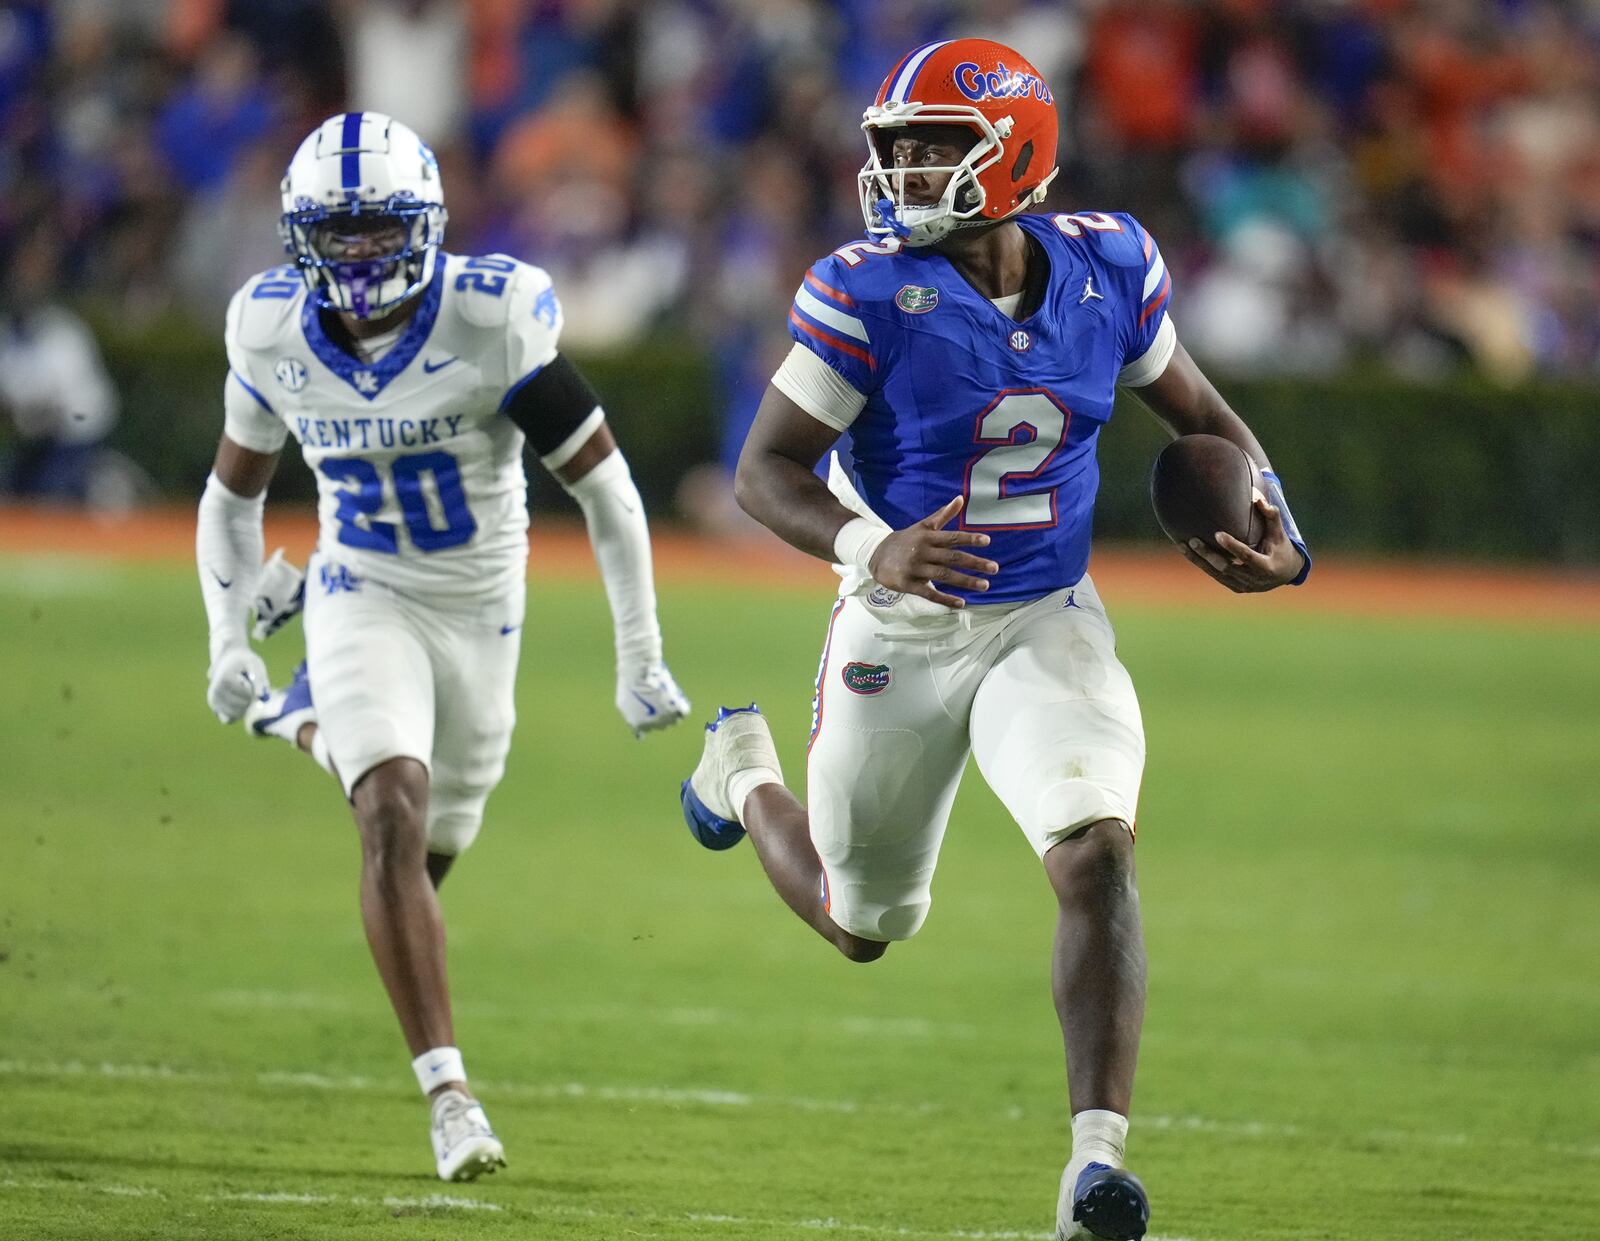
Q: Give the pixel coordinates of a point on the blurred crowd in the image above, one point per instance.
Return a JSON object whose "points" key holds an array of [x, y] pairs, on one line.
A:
{"points": [[1410, 183]]}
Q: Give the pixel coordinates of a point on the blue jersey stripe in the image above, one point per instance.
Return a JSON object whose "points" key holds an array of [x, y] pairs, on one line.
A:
{"points": [[246, 386], [350, 163], [518, 386]]}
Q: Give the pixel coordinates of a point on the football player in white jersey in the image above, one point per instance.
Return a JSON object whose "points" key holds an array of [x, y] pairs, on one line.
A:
{"points": [[410, 378]]}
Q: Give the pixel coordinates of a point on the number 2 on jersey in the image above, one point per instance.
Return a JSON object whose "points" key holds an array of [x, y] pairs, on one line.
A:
{"points": [[994, 474], [360, 503]]}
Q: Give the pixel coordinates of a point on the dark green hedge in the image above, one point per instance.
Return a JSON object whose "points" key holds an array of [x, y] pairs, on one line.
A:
{"points": [[1370, 463], [1373, 464]]}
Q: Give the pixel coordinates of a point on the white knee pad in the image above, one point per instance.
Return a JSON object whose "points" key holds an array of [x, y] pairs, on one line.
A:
{"points": [[1068, 805], [886, 913], [454, 817]]}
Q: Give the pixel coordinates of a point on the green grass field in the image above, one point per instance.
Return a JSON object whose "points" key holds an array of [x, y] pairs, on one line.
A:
{"points": [[1372, 896]]}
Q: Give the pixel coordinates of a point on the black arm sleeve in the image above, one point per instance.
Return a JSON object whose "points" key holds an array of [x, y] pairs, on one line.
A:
{"points": [[552, 405]]}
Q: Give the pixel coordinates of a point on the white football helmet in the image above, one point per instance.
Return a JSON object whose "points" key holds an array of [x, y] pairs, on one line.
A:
{"points": [[363, 213]]}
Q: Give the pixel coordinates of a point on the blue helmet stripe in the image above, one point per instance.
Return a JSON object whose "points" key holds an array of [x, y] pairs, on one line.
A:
{"points": [[350, 162]]}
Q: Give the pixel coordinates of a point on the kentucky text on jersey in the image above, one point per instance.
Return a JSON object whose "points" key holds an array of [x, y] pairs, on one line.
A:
{"points": [[964, 400], [364, 433], [419, 472]]}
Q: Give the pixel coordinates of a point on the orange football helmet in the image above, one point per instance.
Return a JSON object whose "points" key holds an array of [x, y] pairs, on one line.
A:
{"points": [[983, 86]]}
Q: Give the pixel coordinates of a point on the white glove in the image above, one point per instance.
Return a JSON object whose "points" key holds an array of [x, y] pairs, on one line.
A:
{"points": [[238, 678], [280, 592], [649, 698]]}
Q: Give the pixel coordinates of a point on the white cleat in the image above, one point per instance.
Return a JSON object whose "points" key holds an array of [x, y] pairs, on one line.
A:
{"points": [[284, 712], [1099, 1201], [737, 740], [464, 1147]]}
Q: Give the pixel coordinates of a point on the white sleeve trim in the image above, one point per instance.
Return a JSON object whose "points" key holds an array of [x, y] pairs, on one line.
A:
{"points": [[246, 419], [1149, 366], [818, 389], [570, 447], [1152, 279], [837, 319]]}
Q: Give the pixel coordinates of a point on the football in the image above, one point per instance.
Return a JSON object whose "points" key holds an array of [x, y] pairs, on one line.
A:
{"points": [[1202, 484]]}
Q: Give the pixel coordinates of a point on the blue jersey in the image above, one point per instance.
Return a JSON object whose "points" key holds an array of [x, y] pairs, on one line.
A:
{"points": [[962, 399]]}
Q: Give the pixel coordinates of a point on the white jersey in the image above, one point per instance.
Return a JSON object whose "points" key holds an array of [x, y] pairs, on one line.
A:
{"points": [[419, 475]]}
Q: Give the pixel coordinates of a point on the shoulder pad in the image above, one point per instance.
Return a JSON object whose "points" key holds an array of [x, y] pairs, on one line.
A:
{"points": [[487, 287], [1116, 237], [265, 306], [863, 272]]}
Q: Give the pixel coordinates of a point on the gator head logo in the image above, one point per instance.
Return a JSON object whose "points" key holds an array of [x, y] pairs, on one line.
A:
{"points": [[916, 300], [866, 679]]}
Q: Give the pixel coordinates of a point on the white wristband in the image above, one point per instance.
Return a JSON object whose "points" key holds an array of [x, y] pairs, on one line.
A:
{"points": [[857, 542]]}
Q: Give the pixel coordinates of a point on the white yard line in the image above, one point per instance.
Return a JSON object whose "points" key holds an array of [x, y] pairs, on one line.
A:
{"points": [[679, 1096], [453, 1202], [907, 1029]]}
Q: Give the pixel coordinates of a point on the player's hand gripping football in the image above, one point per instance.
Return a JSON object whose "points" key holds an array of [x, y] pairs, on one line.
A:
{"points": [[238, 677], [1243, 569], [920, 558], [649, 698]]}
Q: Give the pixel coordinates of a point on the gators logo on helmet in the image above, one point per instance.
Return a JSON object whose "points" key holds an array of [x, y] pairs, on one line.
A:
{"points": [[981, 85]]}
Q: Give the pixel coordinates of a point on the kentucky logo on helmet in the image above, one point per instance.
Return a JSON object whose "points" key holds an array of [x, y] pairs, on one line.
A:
{"points": [[363, 214], [914, 299], [1000, 83], [865, 679]]}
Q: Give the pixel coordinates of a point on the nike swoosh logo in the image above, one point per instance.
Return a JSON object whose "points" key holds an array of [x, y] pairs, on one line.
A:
{"points": [[220, 582], [505, 629], [648, 708], [429, 367]]}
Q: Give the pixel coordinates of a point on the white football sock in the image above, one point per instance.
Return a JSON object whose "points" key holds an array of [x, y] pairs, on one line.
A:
{"points": [[437, 1066], [743, 783], [1099, 1137]]}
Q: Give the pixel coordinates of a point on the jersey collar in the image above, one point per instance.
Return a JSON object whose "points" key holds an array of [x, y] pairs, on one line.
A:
{"points": [[370, 380], [1042, 267]]}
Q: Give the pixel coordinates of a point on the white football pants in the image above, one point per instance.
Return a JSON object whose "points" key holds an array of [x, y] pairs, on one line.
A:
{"points": [[1034, 690], [393, 676]]}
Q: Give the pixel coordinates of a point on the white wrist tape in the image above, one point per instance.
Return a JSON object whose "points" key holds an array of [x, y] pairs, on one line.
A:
{"points": [[228, 547], [437, 1066], [620, 536], [857, 542]]}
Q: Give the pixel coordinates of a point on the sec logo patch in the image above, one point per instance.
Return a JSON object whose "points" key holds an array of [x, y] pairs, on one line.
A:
{"points": [[291, 373], [1021, 341], [865, 679]]}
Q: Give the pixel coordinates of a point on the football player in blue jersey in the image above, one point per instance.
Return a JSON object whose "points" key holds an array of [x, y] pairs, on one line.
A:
{"points": [[973, 352]]}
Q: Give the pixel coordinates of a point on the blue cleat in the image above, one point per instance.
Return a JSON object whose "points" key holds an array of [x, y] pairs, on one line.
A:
{"points": [[737, 740], [1110, 1203], [283, 712]]}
